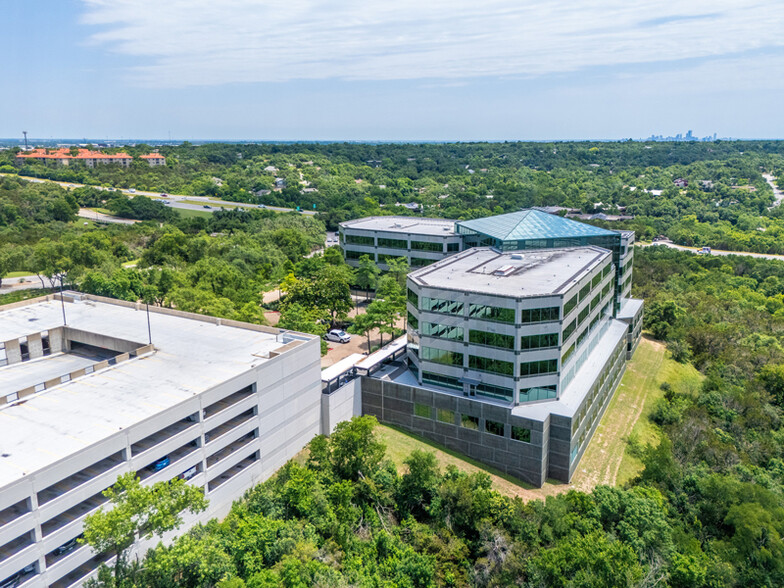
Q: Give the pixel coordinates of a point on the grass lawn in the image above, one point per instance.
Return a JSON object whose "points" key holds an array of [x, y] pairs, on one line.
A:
{"points": [[16, 274], [187, 213], [606, 460], [23, 295], [400, 445], [85, 223]]}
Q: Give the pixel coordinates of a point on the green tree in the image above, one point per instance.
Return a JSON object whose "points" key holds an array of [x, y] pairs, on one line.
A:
{"points": [[364, 324], [367, 274], [399, 268], [139, 512], [355, 450]]}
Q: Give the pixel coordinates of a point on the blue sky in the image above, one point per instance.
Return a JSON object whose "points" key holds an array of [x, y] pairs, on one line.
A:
{"points": [[380, 70]]}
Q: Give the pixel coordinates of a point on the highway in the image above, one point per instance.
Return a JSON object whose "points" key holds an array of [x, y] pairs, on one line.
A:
{"points": [[181, 201], [713, 251]]}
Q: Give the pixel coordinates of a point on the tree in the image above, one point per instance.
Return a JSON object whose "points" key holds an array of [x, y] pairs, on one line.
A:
{"points": [[367, 274], [139, 512], [11, 258], [355, 449], [419, 485], [399, 268], [363, 324], [332, 291]]}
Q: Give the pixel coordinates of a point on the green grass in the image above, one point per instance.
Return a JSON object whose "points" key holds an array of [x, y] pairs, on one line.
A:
{"points": [[187, 213], [23, 295], [85, 223], [683, 378], [400, 444], [607, 460], [16, 274]]}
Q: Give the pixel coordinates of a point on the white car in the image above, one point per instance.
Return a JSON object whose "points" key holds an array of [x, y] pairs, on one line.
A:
{"points": [[338, 335]]}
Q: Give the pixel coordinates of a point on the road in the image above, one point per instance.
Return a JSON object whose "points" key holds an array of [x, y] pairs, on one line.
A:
{"points": [[181, 201], [771, 180], [100, 217], [23, 283], [713, 251]]}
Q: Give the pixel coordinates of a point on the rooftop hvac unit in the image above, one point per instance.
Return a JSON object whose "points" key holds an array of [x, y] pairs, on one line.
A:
{"points": [[504, 270], [517, 256]]}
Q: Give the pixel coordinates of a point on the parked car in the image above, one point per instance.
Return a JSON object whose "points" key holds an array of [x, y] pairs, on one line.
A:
{"points": [[18, 577], [338, 336], [132, 190], [159, 464], [164, 194], [207, 206], [67, 546], [189, 473]]}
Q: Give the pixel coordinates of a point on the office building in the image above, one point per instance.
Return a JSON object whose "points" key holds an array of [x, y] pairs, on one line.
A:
{"points": [[85, 397], [421, 241], [513, 357]]}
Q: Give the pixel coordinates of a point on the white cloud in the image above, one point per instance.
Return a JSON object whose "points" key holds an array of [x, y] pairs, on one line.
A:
{"points": [[208, 42]]}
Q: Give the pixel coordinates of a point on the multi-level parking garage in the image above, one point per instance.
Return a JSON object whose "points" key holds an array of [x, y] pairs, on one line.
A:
{"points": [[220, 403]]}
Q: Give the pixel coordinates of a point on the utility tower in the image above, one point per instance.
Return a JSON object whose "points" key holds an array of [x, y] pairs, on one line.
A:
{"points": [[25, 134]]}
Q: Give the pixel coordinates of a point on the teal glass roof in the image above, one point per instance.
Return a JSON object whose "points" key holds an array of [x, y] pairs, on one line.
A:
{"points": [[532, 224]]}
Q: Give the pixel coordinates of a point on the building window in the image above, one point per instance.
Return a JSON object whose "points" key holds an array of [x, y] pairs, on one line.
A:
{"points": [[570, 304], [385, 257], [360, 240], [498, 392], [469, 422], [540, 341], [584, 291], [535, 368], [442, 331], [422, 410], [540, 315], [492, 313], [565, 357], [441, 356], [47, 349], [413, 298], [353, 254], [413, 321], [537, 393], [443, 381], [495, 366], [521, 434], [444, 306], [446, 416], [569, 329], [393, 243], [452, 247], [491, 339], [427, 246], [596, 279], [494, 428], [583, 314], [421, 261]]}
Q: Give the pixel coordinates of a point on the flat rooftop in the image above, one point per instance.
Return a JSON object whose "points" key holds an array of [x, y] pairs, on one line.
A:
{"points": [[192, 354], [513, 274], [404, 224]]}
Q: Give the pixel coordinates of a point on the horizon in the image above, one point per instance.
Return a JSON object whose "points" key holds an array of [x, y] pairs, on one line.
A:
{"points": [[273, 71]]}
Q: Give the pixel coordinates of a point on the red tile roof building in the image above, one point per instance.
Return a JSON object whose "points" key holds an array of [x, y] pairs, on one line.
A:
{"points": [[154, 159], [90, 158]]}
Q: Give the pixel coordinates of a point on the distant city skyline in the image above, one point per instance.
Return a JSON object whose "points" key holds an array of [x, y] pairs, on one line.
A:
{"points": [[271, 70]]}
